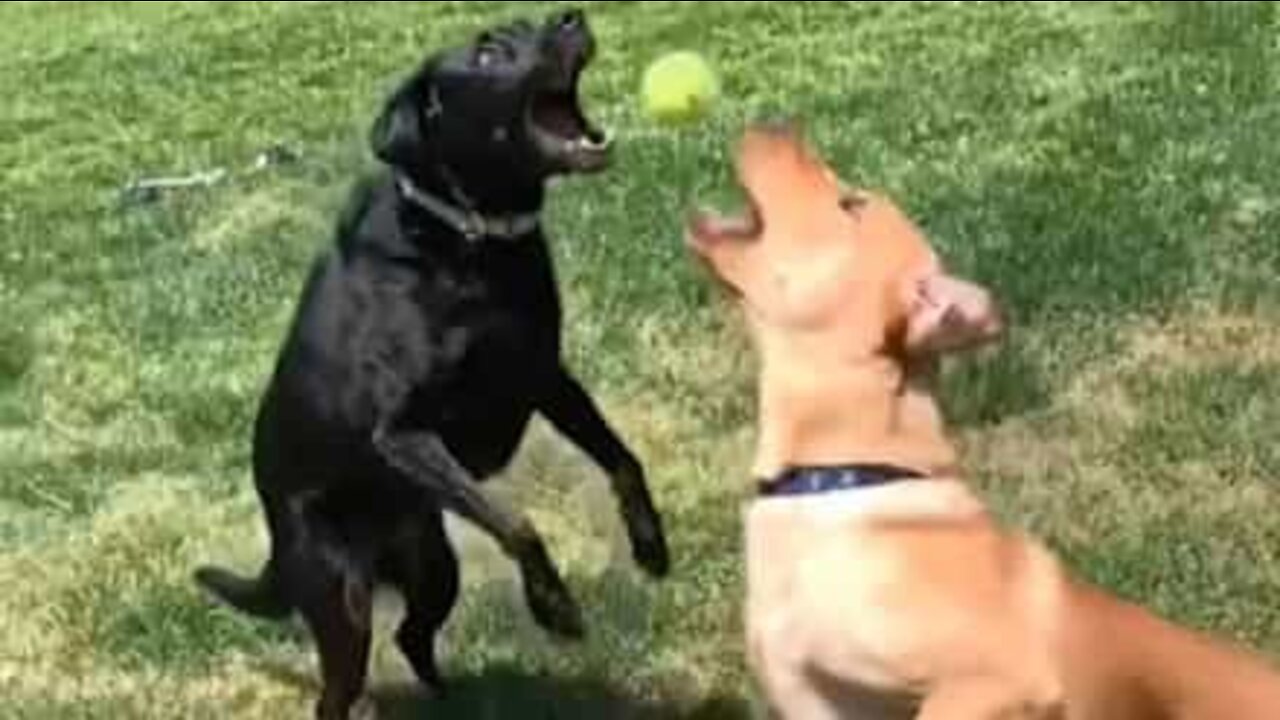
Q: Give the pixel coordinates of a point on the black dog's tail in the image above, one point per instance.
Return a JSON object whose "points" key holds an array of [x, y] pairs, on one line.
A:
{"points": [[259, 597]]}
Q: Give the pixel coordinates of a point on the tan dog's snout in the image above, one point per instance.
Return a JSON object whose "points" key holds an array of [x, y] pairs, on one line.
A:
{"points": [[810, 254]]}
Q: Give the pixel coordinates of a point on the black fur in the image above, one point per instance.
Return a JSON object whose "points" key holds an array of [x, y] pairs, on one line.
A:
{"points": [[416, 360]]}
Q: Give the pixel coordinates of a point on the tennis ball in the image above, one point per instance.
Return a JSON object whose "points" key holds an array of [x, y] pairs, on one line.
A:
{"points": [[679, 88]]}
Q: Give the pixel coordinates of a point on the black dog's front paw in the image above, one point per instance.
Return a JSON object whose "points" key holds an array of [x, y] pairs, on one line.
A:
{"points": [[644, 526], [549, 599], [649, 545], [554, 608]]}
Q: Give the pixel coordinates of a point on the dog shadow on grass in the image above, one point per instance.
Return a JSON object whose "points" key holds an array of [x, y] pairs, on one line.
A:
{"points": [[506, 692]]}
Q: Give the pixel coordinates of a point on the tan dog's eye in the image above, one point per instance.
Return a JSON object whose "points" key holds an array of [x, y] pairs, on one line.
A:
{"points": [[852, 202]]}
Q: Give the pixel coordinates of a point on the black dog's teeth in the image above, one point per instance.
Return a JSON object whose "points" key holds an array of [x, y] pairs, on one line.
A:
{"points": [[556, 119]]}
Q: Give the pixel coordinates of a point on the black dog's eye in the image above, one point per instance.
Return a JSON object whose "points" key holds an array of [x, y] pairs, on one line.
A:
{"points": [[486, 50], [571, 20], [491, 49]]}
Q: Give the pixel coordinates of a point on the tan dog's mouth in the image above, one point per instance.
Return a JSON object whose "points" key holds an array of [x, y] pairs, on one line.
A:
{"points": [[708, 232], [707, 228], [713, 235]]}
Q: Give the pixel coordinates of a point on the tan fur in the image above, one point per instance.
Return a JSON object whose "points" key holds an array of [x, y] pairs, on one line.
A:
{"points": [[909, 600]]}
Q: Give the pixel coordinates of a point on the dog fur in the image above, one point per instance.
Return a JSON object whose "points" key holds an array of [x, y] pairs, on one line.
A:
{"points": [[420, 352], [908, 599]]}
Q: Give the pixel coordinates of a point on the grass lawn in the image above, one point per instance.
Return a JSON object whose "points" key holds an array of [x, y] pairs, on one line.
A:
{"points": [[1111, 169]]}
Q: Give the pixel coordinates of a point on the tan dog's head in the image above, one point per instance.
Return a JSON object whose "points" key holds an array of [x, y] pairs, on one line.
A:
{"points": [[812, 259]]}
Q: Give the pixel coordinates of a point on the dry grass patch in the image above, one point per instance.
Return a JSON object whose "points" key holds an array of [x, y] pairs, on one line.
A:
{"points": [[1155, 470]]}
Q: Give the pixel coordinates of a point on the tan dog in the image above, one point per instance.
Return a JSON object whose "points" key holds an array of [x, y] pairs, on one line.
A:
{"points": [[878, 586]]}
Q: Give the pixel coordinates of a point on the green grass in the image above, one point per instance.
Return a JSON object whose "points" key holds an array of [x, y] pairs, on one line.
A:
{"points": [[1109, 168]]}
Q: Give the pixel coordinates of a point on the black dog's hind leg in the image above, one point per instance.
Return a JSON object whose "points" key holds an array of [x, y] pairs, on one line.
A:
{"points": [[425, 569], [425, 461], [572, 411], [335, 597]]}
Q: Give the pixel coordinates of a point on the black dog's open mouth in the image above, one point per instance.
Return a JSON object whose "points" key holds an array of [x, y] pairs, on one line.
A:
{"points": [[562, 131]]}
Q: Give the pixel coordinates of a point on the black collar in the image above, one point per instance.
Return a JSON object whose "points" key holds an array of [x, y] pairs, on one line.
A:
{"points": [[829, 479], [471, 224]]}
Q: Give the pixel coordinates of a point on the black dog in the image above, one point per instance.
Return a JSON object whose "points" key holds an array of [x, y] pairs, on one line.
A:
{"points": [[425, 341]]}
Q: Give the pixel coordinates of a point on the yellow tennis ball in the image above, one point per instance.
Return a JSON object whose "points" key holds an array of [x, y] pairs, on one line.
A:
{"points": [[679, 87]]}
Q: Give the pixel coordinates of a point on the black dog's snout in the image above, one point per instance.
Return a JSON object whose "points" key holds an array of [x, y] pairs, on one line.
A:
{"points": [[571, 20], [570, 27], [567, 45], [568, 37]]}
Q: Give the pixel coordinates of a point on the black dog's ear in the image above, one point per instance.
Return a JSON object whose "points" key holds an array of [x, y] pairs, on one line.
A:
{"points": [[399, 135]]}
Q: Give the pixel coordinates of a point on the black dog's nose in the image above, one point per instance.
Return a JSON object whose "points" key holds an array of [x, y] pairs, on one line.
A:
{"points": [[567, 40], [571, 20]]}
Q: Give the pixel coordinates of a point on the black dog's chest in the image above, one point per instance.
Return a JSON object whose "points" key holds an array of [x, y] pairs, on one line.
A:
{"points": [[501, 346], [505, 320], [498, 352]]}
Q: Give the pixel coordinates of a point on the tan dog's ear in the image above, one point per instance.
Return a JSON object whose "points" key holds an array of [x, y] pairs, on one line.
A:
{"points": [[947, 314]]}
